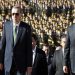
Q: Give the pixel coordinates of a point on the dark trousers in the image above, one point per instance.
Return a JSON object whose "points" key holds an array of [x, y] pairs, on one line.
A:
{"points": [[14, 70], [66, 73], [72, 73], [2, 72]]}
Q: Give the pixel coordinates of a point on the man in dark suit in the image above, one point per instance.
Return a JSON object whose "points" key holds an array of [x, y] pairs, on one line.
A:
{"points": [[16, 46], [57, 62], [39, 59], [69, 52]]}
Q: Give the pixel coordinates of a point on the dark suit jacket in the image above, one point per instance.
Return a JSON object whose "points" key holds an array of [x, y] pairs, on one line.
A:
{"points": [[22, 50], [69, 52], [57, 63], [40, 63]]}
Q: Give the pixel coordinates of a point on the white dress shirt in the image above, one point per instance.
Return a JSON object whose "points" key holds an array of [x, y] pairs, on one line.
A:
{"points": [[34, 53], [63, 51], [14, 25]]}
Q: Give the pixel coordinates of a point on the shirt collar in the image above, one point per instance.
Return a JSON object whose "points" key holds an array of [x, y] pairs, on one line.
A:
{"points": [[34, 50], [16, 24]]}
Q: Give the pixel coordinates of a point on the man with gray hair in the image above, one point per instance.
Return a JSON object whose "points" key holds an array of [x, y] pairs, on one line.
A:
{"points": [[16, 46]]}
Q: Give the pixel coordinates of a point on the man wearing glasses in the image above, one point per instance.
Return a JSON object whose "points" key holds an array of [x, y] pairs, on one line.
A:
{"points": [[16, 46]]}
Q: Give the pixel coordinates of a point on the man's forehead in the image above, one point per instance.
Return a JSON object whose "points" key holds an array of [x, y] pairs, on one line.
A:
{"points": [[15, 10]]}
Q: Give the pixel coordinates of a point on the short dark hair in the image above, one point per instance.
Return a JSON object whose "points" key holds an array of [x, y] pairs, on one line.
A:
{"points": [[35, 37], [63, 36]]}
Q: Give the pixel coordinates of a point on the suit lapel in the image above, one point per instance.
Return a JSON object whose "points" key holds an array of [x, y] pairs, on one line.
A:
{"points": [[20, 31], [61, 56], [36, 56]]}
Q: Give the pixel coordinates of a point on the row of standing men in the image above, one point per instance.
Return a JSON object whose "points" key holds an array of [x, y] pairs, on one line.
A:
{"points": [[19, 53]]}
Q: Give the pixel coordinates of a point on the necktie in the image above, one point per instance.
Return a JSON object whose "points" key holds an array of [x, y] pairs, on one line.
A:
{"points": [[15, 29]]}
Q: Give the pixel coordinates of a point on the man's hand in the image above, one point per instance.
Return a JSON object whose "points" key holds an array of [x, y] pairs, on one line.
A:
{"points": [[29, 70], [65, 69], [1, 67]]}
